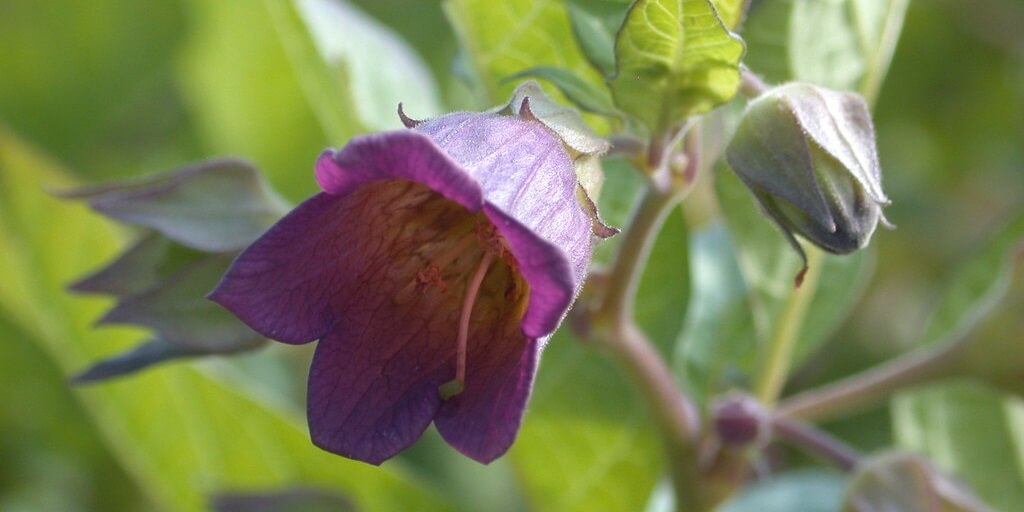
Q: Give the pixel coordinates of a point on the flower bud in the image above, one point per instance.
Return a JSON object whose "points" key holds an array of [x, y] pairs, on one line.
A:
{"points": [[808, 154], [904, 481]]}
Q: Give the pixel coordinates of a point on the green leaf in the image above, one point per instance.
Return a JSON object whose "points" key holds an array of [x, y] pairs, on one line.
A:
{"points": [[584, 95], [839, 44], [792, 491], [248, 99], [276, 82], [178, 432], [674, 59], [977, 287], [731, 11], [586, 443], [505, 37], [970, 431], [378, 67], [717, 344], [595, 23]]}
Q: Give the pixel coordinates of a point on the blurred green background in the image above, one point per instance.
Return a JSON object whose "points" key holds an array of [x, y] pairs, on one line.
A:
{"points": [[115, 88]]}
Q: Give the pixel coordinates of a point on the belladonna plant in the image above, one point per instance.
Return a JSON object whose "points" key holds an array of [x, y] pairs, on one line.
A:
{"points": [[432, 269]]}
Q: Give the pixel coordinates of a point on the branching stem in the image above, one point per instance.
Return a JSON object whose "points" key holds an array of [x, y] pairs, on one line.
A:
{"points": [[614, 329]]}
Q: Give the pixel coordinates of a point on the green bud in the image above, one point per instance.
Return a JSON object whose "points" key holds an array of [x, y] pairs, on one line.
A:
{"points": [[808, 154], [904, 481]]}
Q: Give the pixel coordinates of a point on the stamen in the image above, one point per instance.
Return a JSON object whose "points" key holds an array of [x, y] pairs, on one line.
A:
{"points": [[455, 386]]}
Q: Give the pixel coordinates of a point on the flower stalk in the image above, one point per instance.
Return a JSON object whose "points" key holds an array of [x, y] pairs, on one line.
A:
{"points": [[779, 356]]}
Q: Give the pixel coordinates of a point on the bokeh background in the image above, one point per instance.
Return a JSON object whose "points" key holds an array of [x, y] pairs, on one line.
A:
{"points": [[106, 89]]}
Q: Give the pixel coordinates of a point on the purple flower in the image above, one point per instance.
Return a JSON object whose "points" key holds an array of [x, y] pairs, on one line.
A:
{"points": [[433, 268]]}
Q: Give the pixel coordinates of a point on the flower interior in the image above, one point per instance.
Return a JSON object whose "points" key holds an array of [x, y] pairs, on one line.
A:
{"points": [[443, 264]]}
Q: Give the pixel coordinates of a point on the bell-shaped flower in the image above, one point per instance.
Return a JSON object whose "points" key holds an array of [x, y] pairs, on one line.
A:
{"points": [[432, 269]]}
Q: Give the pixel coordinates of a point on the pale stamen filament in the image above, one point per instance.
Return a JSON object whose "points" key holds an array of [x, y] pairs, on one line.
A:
{"points": [[454, 387]]}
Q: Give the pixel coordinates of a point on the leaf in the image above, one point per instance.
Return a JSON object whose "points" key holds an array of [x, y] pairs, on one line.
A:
{"points": [[674, 59], [595, 23], [731, 11], [835, 44], [717, 344], [895, 480], [177, 309], [505, 37], [296, 499], [213, 206], [977, 287], [583, 94], [971, 431], [143, 355], [141, 267], [379, 68], [792, 491], [178, 432], [564, 121], [248, 95], [585, 443]]}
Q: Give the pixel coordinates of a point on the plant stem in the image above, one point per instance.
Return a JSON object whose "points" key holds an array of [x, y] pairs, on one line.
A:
{"points": [[673, 412], [751, 85], [873, 385], [773, 373], [614, 329], [638, 238], [815, 441]]}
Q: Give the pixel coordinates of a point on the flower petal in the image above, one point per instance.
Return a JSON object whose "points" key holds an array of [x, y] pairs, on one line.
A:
{"points": [[396, 155], [373, 384], [286, 284], [529, 184], [482, 421]]}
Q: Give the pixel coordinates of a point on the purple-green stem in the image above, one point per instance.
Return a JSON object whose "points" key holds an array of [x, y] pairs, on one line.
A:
{"points": [[613, 326], [873, 385], [816, 442]]}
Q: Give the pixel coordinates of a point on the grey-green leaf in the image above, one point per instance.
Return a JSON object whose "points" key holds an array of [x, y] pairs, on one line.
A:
{"points": [[595, 23], [843, 44], [179, 312], [218, 205], [584, 94], [564, 121], [142, 266], [977, 287], [792, 491], [382, 70], [969, 430], [674, 59], [137, 358]]}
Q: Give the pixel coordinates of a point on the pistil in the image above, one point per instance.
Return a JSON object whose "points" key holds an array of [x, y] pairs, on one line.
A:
{"points": [[455, 386]]}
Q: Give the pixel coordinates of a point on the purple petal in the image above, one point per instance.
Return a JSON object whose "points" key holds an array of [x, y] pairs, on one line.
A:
{"points": [[287, 284], [529, 184], [373, 385], [483, 420], [396, 155]]}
